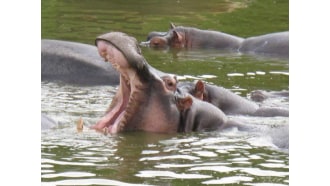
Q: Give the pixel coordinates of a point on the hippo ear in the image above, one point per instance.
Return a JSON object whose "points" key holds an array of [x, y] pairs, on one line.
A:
{"points": [[199, 90], [172, 26], [177, 36], [186, 102]]}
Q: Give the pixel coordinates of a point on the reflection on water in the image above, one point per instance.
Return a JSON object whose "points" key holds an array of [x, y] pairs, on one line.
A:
{"points": [[69, 157]]}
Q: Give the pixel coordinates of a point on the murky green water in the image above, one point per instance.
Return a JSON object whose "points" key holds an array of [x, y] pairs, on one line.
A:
{"points": [[227, 158]]}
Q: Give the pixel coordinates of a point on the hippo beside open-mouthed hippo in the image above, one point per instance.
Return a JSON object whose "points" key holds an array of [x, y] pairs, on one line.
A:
{"points": [[229, 102], [74, 63], [273, 44], [147, 99]]}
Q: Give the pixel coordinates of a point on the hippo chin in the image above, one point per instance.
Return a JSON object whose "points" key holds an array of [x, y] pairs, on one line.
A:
{"points": [[142, 101]]}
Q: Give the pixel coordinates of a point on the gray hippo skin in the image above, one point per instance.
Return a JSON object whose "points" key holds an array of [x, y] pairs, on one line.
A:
{"points": [[274, 44], [192, 38], [144, 100], [197, 115], [260, 95], [142, 97], [75, 63], [229, 102], [47, 122]]}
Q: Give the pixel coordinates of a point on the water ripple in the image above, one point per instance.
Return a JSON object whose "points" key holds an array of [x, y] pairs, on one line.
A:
{"points": [[90, 182], [169, 174], [229, 180], [68, 174], [186, 157]]}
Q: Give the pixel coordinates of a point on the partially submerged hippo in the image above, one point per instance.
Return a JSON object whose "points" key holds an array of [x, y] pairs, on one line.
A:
{"points": [[47, 122], [229, 102], [274, 44], [197, 115], [260, 95], [74, 63], [144, 101], [193, 38]]}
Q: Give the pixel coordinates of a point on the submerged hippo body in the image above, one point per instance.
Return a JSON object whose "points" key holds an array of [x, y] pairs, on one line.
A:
{"points": [[229, 102], [274, 44], [193, 38], [197, 115], [47, 122], [74, 63], [260, 95]]}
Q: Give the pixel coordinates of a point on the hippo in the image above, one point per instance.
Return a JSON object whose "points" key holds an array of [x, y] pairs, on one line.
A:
{"points": [[192, 38], [142, 101], [227, 101], [197, 115], [47, 122], [272, 45], [261, 95], [74, 63], [146, 101]]}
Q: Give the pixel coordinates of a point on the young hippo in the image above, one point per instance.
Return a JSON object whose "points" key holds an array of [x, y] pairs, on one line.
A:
{"points": [[229, 102], [193, 38], [197, 115]]}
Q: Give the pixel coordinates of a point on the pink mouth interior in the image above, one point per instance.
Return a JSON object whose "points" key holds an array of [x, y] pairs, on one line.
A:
{"points": [[112, 120]]}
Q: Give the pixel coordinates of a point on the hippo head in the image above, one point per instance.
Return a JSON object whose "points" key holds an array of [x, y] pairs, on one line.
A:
{"points": [[143, 101], [174, 38]]}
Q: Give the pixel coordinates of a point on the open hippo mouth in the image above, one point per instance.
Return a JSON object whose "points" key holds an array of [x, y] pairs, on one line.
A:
{"points": [[125, 56]]}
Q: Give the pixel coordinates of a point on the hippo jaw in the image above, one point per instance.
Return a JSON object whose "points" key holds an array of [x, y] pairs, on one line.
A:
{"points": [[129, 93]]}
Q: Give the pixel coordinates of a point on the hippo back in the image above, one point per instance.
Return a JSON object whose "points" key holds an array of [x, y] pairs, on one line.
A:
{"points": [[75, 63], [274, 44]]}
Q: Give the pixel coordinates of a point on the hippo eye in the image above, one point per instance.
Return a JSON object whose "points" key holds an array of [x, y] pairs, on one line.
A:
{"points": [[170, 84]]}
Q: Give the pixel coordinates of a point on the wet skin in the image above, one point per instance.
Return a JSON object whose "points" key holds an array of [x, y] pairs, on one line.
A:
{"points": [[273, 44], [74, 63], [149, 102], [227, 101], [197, 115], [260, 95], [145, 94], [193, 38], [142, 101]]}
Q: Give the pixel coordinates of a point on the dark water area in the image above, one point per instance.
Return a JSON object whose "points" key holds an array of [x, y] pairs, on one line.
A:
{"points": [[222, 158]]}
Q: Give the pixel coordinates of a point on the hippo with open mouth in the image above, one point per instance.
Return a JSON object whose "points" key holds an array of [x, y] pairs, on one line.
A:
{"points": [[142, 101], [145, 100]]}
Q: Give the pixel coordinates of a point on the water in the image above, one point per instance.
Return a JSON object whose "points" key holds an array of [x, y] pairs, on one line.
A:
{"points": [[231, 157]]}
